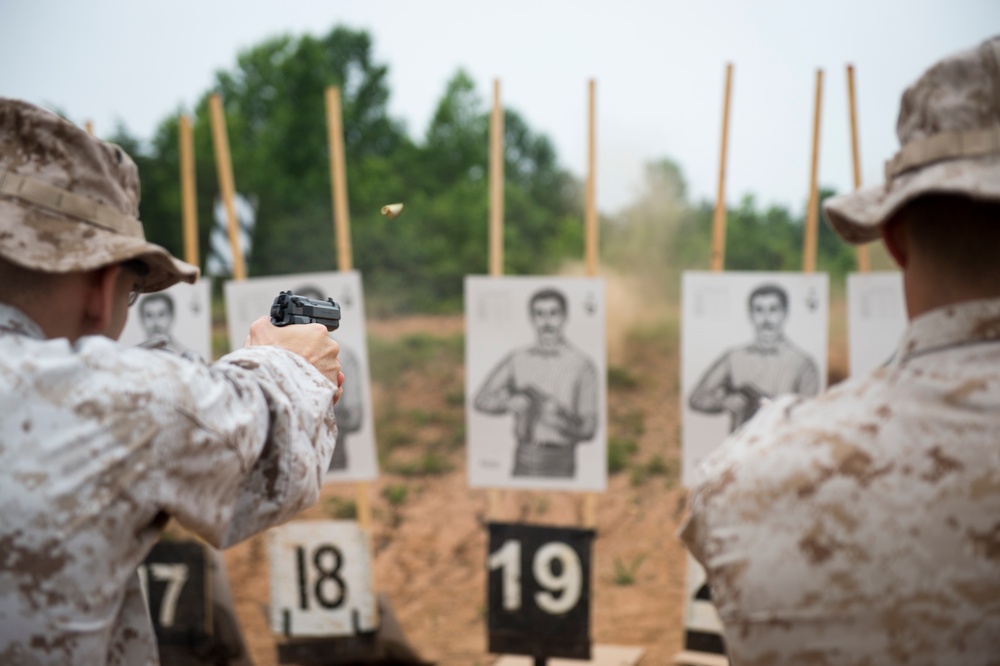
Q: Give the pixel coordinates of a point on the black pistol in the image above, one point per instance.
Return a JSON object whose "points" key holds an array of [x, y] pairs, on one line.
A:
{"points": [[291, 309]]}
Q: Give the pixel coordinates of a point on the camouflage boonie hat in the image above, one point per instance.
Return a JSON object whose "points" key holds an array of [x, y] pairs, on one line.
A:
{"points": [[70, 202], [949, 130]]}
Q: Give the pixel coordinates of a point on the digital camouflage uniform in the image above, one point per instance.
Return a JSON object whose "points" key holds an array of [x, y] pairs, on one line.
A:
{"points": [[862, 526], [99, 444]]}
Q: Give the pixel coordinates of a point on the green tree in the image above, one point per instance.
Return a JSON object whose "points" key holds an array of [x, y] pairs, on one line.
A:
{"points": [[276, 114], [761, 240], [444, 235], [276, 122]]}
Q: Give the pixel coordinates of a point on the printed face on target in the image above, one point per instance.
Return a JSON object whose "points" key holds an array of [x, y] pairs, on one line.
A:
{"points": [[768, 310], [548, 315], [157, 314]]}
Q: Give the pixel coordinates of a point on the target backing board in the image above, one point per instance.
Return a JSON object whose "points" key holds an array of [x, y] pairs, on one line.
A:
{"points": [[246, 300], [181, 316], [536, 382], [746, 337], [876, 319]]}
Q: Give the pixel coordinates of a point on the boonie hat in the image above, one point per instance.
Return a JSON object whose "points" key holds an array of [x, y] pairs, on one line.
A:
{"points": [[70, 202], [949, 130]]}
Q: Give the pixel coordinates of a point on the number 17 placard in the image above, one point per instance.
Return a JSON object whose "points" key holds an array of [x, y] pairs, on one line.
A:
{"points": [[539, 590]]}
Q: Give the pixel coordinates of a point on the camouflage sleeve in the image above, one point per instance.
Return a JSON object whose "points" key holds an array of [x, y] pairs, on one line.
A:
{"points": [[711, 503], [247, 444]]}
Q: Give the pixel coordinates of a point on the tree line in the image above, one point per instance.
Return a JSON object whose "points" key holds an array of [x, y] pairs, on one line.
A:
{"points": [[274, 107]]}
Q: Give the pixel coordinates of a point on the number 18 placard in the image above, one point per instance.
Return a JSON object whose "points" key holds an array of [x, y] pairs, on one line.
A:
{"points": [[320, 579]]}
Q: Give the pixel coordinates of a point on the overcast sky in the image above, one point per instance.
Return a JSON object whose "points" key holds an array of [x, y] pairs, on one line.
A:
{"points": [[659, 68]]}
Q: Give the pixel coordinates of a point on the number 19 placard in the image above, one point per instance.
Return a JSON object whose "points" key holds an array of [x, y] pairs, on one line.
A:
{"points": [[539, 590]]}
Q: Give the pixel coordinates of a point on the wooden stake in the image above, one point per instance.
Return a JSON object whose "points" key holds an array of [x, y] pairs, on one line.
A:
{"points": [[812, 212], [338, 179], [189, 207], [496, 227], [342, 232], [719, 218], [89, 126], [864, 262], [591, 230], [496, 182], [224, 168], [590, 206], [345, 262]]}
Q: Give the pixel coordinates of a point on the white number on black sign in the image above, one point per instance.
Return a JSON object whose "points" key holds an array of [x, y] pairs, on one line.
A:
{"points": [[174, 575], [556, 568]]}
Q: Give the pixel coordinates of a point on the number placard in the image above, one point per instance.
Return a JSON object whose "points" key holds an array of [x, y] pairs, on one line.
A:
{"points": [[175, 582], [539, 590], [320, 579]]}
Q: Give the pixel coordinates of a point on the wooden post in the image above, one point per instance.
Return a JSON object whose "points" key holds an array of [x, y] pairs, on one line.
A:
{"points": [[342, 231], [189, 207], [591, 238], [590, 206], [496, 182], [719, 218], [864, 261], [812, 210], [345, 262], [224, 169], [496, 226], [338, 179], [89, 126]]}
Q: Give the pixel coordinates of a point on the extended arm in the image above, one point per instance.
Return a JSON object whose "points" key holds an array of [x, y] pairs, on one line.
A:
{"points": [[243, 445], [246, 445]]}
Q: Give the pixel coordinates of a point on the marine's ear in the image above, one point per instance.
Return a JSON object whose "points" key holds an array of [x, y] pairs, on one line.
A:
{"points": [[99, 298], [896, 240]]}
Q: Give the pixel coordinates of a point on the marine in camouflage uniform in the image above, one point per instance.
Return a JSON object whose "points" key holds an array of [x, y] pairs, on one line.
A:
{"points": [[100, 445], [863, 526]]}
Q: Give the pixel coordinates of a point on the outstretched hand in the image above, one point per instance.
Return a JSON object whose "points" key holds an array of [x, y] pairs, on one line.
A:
{"points": [[310, 341]]}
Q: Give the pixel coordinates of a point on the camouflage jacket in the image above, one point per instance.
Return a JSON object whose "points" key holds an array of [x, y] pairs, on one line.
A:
{"points": [[863, 526], [100, 444]]}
